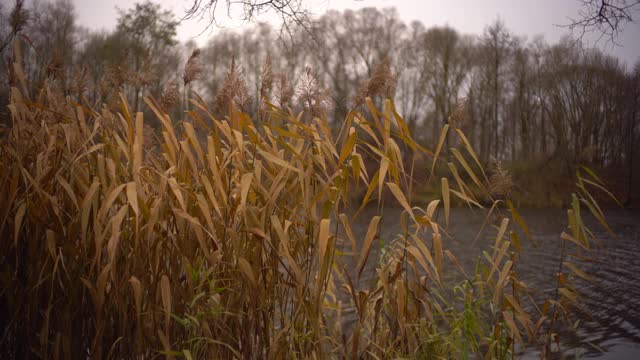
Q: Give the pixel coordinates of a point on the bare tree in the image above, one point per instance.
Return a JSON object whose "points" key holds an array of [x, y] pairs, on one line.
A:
{"points": [[292, 12], [607, 17]]}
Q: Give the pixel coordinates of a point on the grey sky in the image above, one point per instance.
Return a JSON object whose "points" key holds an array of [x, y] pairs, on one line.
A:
{"points": [[523, 17]]}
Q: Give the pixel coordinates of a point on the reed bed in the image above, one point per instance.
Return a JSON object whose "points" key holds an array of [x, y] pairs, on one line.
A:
{"points": [[228, 237]]}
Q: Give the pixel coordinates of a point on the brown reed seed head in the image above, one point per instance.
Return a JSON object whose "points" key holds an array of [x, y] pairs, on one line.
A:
{"points": [[311, 95], [193, 68], [170, 96], [283, 91], [19, 17], [500, 182], [80, 83], [382, 82], [459, 114], [55, 67], [268, 79], [145, 75], [233, 90]]}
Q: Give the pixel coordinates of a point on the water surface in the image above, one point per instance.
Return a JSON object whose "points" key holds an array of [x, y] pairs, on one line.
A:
{"points": [[609, 311]]}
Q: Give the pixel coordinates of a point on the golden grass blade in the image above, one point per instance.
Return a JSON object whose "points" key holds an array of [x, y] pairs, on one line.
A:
{"points": [[347, 227], [18, 222], [51, 243], [323, 245], [348, 148], [173, 184], [245, 184], [443, 136], [519, 220], [446, 199], [438, 253], [108, 201], [469, 148], [193, 140], [502, 278], [136, 162], [382, 174], [468, 169], [67, 187], [501, 231], [136, 287], [114, 241], [275, 160], [395, 190], [366, 246], [578, 271], [86, 205], [101, 285], [165, 291], [132, 197], [421, 260], [245, 268], [508, 317]]}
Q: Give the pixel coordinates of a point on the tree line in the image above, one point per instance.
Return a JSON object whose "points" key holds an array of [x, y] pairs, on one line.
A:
{"points": [[523, 99]]}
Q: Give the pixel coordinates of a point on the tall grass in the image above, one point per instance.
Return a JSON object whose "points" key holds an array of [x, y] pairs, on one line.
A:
{"points": [[221, 237]]}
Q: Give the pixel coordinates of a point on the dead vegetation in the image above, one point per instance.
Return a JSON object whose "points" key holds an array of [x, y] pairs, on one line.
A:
{"points": [[237, 246]]}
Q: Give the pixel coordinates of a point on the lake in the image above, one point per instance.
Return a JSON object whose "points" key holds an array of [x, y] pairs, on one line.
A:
{"points": [[609, 309]]}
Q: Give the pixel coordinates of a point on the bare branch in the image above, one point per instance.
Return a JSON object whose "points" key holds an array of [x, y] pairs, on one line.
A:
{"points": [[604, 17], [291, 12]]}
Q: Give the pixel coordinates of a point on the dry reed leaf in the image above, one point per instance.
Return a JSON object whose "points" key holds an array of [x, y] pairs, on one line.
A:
{"points": [[438, 253], [501, 231], [417, 254], [323, 240], [497, 258], [366, 245], [578, 272], [508, 317], [382, 174], [173, 184], [347, 227], [108, 201], [165, 293], [164, 339], [443, 136], [466, 166], [101, 284], [431, 208], [470, 150], [276, 160], [245, 184], [67, 187], [114, 240], [86, 205], [446, 199], [136, 287], [502, 278], [138, 143], [18, 222], [456, 263], [51, 243], [401, 297], [132, 197], [245, 269], [399, 195]]}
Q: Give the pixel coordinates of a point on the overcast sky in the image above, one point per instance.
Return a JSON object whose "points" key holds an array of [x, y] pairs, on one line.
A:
{"points": [[523, 17]]}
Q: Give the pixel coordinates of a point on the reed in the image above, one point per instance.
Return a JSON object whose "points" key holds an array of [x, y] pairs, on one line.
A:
{"points": [[236, 240]]}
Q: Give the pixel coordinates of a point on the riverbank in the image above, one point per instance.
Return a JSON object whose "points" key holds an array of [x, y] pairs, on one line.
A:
{"points": [[544, 184]]}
